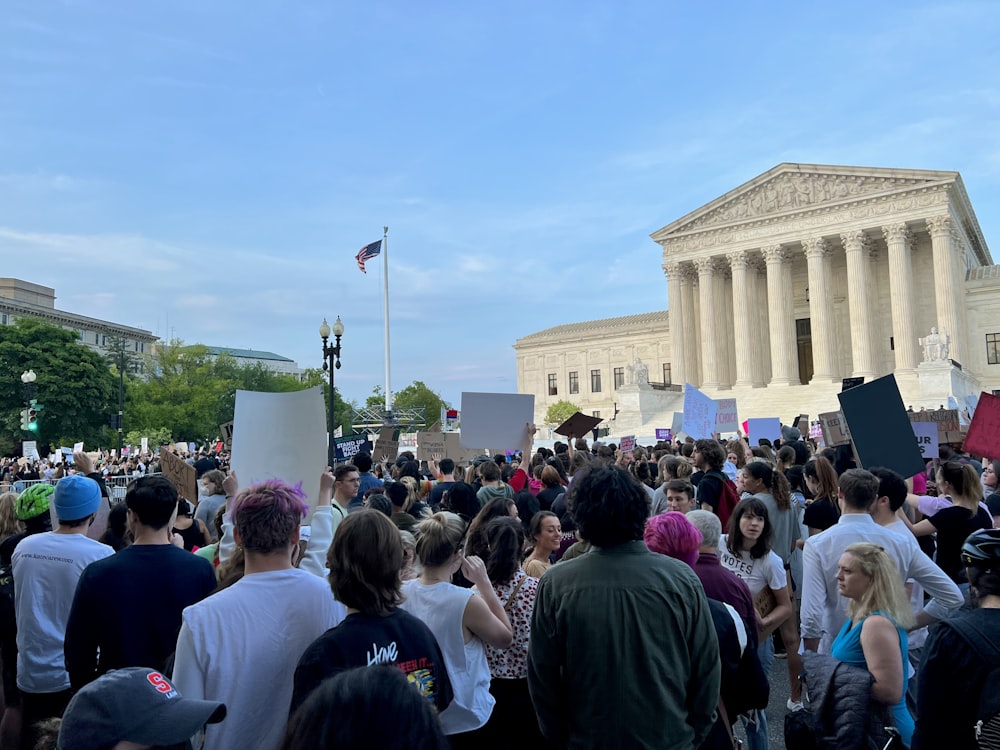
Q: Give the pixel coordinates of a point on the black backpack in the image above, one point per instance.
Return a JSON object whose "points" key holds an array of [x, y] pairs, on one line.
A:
{"points": [[988, 711]]}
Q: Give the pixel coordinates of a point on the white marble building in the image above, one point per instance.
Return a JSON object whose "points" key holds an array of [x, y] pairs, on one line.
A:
{"points": [[803, 276]]}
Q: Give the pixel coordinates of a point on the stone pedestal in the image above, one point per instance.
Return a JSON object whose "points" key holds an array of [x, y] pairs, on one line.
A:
{"points": [[639, 402], [940, 381]]}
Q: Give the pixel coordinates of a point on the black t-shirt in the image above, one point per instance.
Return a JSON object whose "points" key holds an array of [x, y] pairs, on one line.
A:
{"points": [[993, 503], [953, 526], [820, 514], [548, 495], [360, 640], [709, 489], [129, 607], [437, 493]]}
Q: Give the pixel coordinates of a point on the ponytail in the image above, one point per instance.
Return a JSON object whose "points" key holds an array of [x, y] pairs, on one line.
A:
{"points": [[506, 540], [438, 538]]}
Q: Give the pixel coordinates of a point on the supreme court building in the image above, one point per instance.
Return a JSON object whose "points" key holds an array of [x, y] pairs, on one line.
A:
{"points": [[784, 286]]}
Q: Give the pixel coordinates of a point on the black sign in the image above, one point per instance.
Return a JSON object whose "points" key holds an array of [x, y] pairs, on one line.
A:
{"points": [[848, 383], [350, 445]]}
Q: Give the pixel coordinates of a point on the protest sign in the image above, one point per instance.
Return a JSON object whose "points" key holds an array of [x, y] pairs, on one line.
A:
{"points": [[430, 444], [454, 449], [947, 421], [699, 413], [662, 433], [626, 445], [927, 438], [181, 474], [348, 446], [725, 417], [847, 383], [834, 428], [498, 419], [763, 427], [280, 436], [677, 424], [983, 438], [144, 444], [77, 447], [387, 444], [802, 424], [880, 427], [227, 434], [816, 433], [29, 449], [579, 425]]}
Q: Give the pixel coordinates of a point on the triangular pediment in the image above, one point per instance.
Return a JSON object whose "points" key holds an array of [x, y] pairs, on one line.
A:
{"points": [[792, 188]]}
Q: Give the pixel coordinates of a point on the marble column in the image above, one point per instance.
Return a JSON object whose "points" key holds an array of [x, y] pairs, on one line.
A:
{"points": [[946, 285], [743, 315], [706, 305], [761, 353], [724, 324], [858, 290], [821, 313], [677, 321], [904, 329], [691, 356], [784, 358]]}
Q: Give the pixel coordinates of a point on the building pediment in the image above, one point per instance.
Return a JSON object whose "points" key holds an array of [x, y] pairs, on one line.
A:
{"points": [[788, 189]]}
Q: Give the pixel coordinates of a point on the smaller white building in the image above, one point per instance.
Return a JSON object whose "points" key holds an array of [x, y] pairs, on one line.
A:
{"points": [[248, 357]]}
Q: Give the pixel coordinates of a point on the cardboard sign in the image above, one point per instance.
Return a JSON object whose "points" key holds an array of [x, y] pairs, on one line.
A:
{"points": [[834, 428], [802, 424], [499, 419], [181, 474], [29, 449], [725, 417], [880, 426], [387, 444], [763, 427], [227, 434], [662, 433], [456, 451], [927, 438], [947, 420], [984, 432], [626, 445], [349, 446], [699, 413], [579, 425], [446, 444], [144, 444]]}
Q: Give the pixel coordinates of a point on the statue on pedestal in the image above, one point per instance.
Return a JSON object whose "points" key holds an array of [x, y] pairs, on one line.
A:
{"points": [[936, 346], [641, 372]]}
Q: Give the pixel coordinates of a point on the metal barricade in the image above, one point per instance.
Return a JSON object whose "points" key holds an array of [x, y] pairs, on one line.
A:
{"points": [[117, 485]]}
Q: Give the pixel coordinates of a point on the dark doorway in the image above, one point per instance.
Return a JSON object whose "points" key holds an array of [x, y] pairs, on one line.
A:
{"points": [[803, 340]]}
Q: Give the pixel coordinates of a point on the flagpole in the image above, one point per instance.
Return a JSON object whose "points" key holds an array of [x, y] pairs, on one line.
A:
{"points": [[385, 314]]}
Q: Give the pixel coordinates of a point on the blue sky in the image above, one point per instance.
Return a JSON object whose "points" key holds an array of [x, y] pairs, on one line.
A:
{"points": [[208, 170]]}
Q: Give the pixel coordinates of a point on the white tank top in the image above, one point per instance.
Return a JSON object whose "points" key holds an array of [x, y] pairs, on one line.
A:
{"points": [[441, 606]]}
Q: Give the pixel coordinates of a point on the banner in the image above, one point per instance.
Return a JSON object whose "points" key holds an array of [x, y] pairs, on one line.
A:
{"points": [[699, 413], [725, 417]]}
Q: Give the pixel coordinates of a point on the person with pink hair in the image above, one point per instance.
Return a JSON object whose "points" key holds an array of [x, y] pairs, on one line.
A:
{"points": [[240, 645]]}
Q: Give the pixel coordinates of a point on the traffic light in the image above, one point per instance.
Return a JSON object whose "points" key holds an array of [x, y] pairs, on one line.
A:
{"points": [[24, 419], [32, 419]]}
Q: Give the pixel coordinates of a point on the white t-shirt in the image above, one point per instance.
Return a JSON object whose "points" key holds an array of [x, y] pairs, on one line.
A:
{"points": [[756, 574], [241, 646], [47, 568]]}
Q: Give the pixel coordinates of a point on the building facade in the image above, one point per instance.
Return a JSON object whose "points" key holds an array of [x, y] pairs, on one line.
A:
{"points": [[249, 357], [808, 274]]}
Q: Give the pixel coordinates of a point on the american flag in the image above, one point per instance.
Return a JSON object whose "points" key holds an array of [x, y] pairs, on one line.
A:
{"points": [[367, 253]]}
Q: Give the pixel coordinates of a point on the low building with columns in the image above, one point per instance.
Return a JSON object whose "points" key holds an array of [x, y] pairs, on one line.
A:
{"points": [[801, 277]]}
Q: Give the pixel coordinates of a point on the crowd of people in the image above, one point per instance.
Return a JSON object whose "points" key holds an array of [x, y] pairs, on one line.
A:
{"points": [[569, 597]]}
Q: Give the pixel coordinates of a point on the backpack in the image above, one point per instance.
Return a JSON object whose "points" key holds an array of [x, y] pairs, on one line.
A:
{"points": [[988, 723], [729, 498]]}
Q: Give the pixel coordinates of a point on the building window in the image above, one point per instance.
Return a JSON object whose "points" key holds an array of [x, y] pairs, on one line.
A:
{"points": [[595, 414], [553, 389], [666, 374], [595, 381], [619, 376], [993, 348], [574, 382]]}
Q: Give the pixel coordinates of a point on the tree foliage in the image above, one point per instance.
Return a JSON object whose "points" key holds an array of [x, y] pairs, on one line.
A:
{"points": [[559, 412], [418, 394], [74, 385]]}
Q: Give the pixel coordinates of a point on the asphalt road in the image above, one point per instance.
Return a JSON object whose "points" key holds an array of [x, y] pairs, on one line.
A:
{"points": [[776, 708]]}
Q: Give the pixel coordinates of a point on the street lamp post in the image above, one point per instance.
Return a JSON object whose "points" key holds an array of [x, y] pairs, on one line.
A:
{"points": [[28, 391], [331, 362]]}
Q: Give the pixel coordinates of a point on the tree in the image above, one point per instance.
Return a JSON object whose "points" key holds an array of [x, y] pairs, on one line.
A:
{"points": [[559, 412], [74, 386], [155, 437], [418, 394]]}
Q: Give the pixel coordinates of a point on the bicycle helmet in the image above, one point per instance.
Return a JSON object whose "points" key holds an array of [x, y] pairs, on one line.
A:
{"points": [[34, 501], [982, 549]]}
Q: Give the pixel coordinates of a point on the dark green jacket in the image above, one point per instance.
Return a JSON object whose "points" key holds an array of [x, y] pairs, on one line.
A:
{"points": [[623, 652]]}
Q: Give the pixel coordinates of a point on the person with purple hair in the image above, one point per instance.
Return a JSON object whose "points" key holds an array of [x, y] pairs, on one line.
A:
{"points": [[240, 645], [744, 685]]}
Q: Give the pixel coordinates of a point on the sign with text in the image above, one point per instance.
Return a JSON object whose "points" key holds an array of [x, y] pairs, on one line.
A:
{"points": [[181, 474], [725, 417], [984, 431], [29, 449], [834, 428], [699, 413], [927, 438], [387, 444], [626, 445], [77, 447], [444, 444], [947, 421], [768, 428], [499, 419], [349, 446], [226, 429], [847, 383], [663, 433], [144, 444], [880, 426]]}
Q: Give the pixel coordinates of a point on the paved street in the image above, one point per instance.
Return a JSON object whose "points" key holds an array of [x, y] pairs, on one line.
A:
{"points": [[776, 709]]}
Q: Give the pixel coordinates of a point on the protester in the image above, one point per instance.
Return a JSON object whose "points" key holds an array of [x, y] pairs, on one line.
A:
{"points": [[138, 706], [46, 570], [545, 536], [10, 524], [719, 582], [193, 533], [127, 607], [624, 616], [240, 646], [212, 497], [875, 635], [824, 509], [366, 481], [715, 491], [461, 620]]}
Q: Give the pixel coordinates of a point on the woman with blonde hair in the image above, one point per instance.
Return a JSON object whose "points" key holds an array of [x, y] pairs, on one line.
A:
{"points": [[874, 636], [462, 620], [9, 523]]}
